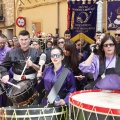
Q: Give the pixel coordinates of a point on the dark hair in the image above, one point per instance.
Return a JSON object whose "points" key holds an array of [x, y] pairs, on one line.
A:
{"points": [[24, 33], [77, 41], [55, 41], [48, 41], [101, 51], [50, 34], [74, 60], [37, 41], [67, 32], [61, 51], [3, 36], [61, 38]]}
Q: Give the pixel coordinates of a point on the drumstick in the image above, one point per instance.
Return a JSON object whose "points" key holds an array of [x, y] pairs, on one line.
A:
{"points": [[13, 85], [24, 68]]}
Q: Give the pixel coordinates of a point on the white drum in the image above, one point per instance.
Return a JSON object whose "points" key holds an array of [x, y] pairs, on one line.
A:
{"points": [[94, 105]]}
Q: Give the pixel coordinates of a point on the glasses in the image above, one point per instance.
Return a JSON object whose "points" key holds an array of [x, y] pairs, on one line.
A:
{"points": [[106, 45], [78, 44], [3, 43], [61, 42], [117, 34], [55, 55], [98, 35]]}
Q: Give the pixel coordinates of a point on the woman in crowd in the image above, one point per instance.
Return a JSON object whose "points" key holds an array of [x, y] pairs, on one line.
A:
{"points": [[71, 60], [83, 54], [61, 43], [105, 67], [51, 74]]}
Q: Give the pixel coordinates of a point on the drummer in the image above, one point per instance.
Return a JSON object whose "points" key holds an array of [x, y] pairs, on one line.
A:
{"points": [[50, 76], [104, 66], [19, 58]]}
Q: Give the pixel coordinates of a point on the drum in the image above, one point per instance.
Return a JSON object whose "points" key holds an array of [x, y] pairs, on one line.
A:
{"points": [[23, 96], [34, 113], [94, 105]]}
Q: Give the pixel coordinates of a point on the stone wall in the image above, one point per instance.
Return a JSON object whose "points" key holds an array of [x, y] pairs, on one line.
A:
{"points": [[8, 12]]}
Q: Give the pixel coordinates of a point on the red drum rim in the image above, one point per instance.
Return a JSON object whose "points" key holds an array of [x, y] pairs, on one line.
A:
{"points": [[96, 109]]}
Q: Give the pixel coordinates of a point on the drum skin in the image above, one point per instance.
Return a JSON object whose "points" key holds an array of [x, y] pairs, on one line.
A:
{"points": [[34, 113], [24, 93], [79, 109]]}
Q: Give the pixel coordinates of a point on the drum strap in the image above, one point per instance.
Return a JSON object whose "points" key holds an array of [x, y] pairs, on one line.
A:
{"points": [[56, 87]]}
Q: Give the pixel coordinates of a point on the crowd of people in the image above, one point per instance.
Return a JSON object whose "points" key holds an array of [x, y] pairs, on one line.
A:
{"points": [[85, 63]]}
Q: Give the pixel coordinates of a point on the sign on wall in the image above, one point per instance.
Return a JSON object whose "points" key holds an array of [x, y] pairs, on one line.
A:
{"points": [[21, 21]]}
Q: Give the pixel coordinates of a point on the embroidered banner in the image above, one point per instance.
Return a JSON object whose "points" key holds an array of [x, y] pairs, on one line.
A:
{"points": [[82, 18], [113, 15]]}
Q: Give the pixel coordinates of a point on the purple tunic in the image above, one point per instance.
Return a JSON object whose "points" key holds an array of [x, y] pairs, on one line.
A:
{"points": [[3, 97], [50, 77], [111, 81], [3, 53]]}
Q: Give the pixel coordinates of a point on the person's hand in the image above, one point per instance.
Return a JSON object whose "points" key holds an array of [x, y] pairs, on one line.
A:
{"points": [[92, 47], [60, 102], [29, 63], [80, 77], [39, 74], [5, 79], [80, 55]]}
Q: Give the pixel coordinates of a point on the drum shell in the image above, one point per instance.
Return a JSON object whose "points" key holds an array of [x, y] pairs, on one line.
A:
{"points": [[34, 113], [81, 114], [81, 107], [24, 95]]}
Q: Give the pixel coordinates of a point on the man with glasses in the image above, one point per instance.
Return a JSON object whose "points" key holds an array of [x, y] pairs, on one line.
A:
{"points": [[3, 48], [117, 38], [117, 35]]}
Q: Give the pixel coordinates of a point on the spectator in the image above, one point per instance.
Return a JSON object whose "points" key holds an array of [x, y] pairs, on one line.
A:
{"points": [[105, 66], [67, 35]]}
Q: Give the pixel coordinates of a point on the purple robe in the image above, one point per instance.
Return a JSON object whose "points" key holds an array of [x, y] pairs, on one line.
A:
{"points": [[50, 77], [3, 53], [3, 97], [111, 81]]}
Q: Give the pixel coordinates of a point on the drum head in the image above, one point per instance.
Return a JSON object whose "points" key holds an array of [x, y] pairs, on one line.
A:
{"points": [[23, 86], [97, 101]]}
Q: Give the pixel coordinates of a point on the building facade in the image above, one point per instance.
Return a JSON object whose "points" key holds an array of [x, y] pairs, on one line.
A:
{"points": [[47, 16]]}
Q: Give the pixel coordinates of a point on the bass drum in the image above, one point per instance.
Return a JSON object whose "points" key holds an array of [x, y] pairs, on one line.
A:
{"points": [[94, 105], [23, 96], [34, 113]]}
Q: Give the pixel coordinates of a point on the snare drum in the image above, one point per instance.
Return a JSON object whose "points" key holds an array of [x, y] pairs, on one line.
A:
{"points": [[23, 96], [94, 105], [34, 113]]}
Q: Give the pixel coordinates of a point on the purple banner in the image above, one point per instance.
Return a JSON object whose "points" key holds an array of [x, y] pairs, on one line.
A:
{"points": [[83, 19], [113, 15]]}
